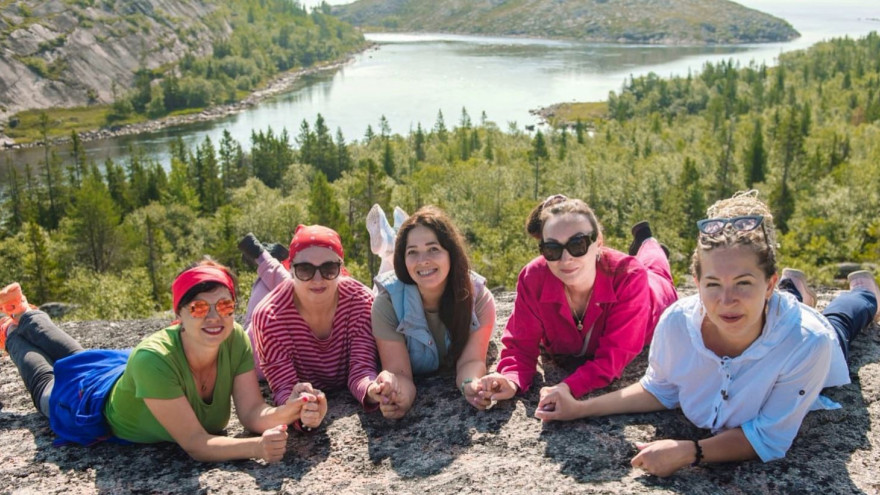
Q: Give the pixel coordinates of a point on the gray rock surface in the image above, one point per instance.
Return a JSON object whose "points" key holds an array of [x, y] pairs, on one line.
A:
{"points": [[94, 47], [445, 446]]}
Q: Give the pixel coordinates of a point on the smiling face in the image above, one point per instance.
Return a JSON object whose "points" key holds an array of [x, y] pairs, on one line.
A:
{"points": [[427, 262], [573, 271], [317, 289], [211, 330], [734, 290]]}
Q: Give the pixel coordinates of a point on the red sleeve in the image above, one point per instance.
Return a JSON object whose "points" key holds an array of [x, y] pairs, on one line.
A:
{"points": [[273, 349], [623, 336], [362, 361], [522, 335]]}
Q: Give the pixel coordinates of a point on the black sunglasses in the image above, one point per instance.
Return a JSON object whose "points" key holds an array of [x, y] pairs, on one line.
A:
{"points": [[577, 246], [714, 226], [306, 271]]}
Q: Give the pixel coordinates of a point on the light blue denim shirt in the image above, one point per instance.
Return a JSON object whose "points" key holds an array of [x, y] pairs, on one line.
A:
{"points": [[424, 355], [767, 390]]}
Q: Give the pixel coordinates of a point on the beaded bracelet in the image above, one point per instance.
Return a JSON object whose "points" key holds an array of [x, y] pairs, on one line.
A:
{"points": [[699, 454]]}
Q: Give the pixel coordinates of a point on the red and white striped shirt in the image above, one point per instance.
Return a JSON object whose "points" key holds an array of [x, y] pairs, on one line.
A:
{"points": [[289, 353]]}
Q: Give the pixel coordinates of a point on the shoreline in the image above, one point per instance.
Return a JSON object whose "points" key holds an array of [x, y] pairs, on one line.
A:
{"points": [[277, 85]]}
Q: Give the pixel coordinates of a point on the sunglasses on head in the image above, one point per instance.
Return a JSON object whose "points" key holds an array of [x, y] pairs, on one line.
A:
{"points": [[223, 307], [577, 246], [306, 271], [714, 226]]}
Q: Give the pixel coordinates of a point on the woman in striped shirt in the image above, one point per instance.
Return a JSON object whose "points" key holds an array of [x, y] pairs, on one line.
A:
{"points": [[313, 331]]}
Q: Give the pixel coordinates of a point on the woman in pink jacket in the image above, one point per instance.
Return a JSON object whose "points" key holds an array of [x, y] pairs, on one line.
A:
{"points": [[580, 298]]}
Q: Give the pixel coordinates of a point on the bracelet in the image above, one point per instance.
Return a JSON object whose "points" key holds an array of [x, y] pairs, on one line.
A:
{"points": [[299, 426], [463, 383], [699, 454]]}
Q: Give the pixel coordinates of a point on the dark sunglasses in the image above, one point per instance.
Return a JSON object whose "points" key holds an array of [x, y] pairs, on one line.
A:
{"points": [[577, 246], [714, 226], [223, 307], [306, 271]]}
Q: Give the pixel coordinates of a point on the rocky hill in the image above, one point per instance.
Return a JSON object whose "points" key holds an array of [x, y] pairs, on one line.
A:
{"points": [[62, 53], [444, 446], [619, 21]]}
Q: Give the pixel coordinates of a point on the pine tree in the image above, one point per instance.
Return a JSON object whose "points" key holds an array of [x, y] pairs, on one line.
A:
{"points": [[94, 222], [756, 156], [538, 155]]}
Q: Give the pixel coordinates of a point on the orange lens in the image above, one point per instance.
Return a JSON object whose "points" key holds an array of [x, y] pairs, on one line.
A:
{"points": [[200, 308]]}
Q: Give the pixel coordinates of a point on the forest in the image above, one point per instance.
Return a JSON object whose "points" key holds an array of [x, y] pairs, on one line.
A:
{"points": [[109, 237]]}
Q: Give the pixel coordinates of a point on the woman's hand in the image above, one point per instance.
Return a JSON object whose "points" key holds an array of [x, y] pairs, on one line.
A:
{"points": [[382, 388], [494, 387], [557, 404], [664, 457], [273, 444], [393, 397], [314, 404], [472, 391]]}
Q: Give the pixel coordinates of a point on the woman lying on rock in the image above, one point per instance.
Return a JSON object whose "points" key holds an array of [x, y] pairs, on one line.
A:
{"points": [[313, 330], [431, 312], [176, 385], [743, 357], [580, 298]]}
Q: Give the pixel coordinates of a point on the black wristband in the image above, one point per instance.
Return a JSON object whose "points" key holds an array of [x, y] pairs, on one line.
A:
{"points": [[699, 454]]}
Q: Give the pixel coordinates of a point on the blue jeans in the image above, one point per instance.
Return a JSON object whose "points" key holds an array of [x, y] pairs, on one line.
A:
{"points": [[848, 313], [34, 346]]}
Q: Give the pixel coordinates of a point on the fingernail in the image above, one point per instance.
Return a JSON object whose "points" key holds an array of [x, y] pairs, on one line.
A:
{"points": [[305, 399]]}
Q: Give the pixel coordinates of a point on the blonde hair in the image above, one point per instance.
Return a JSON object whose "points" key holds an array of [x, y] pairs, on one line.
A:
{"points": [[761, 240]]}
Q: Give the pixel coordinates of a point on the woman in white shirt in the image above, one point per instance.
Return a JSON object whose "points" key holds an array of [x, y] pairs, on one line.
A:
{"points": [[743, 358]]}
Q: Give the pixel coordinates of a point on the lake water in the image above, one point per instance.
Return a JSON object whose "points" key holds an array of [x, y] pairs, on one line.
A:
{"points": [[409, 78]]}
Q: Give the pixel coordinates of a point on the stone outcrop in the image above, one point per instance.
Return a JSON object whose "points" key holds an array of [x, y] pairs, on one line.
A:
{"points": [[62, 53], [445, 446]]}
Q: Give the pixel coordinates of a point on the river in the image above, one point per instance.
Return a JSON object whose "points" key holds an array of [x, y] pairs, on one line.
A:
{"points": [[408, 78]]}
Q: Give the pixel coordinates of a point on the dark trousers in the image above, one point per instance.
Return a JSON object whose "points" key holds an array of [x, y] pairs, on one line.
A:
{"points": [[848, 313], [34, 346]]}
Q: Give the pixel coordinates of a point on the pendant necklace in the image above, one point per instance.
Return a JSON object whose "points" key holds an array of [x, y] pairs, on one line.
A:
{"points": [[579, 321]]}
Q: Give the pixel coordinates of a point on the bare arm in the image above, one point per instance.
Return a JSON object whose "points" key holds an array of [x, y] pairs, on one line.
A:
{"points": [[665, 457], [472, 364], [178, 418], [394, 389], [254, 414], [558, 404]]}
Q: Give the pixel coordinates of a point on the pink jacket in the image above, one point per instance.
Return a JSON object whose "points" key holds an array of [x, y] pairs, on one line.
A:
{"points": [[622, 313]]}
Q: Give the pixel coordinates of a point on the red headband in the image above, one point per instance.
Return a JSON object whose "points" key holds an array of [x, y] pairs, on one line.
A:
{"points": [[307, 236], [195, 276]]}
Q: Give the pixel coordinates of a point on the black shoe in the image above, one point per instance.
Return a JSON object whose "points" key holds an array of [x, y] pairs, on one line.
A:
{"points": [[640, 232], [278, 251], [250, 248]]}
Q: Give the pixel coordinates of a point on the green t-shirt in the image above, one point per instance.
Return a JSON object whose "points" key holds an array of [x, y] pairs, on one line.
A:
{"points": [[157, 369]]}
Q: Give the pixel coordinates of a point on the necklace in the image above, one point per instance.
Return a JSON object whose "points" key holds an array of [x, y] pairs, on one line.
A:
{"points": [[579, 320]]}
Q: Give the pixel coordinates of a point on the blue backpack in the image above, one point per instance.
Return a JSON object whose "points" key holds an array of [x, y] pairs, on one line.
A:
{"points": [[83, 382]]}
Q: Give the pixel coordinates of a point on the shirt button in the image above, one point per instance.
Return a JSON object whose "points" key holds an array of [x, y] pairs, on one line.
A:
{"points": [[801, 392]]}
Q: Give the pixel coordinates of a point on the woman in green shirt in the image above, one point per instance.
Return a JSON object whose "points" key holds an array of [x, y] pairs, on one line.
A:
{"points": [[177, 384]]}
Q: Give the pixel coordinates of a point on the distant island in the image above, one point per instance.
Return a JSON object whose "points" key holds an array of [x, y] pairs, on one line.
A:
{"points": [[619, 21]]}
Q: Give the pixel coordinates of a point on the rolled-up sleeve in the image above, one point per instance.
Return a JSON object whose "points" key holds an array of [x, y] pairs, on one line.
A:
{"points": [[772, 431]]}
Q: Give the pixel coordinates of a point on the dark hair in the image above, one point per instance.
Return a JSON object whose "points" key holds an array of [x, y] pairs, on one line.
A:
{"points": [[558, 205], [197, 289], [457, 301], [741, 204]]}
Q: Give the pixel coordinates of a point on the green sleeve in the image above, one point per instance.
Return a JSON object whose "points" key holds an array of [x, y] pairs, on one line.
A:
{"points": [[242, 355]]}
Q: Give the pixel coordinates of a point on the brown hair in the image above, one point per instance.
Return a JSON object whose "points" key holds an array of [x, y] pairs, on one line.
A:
{"points": [[558, 205], [457, 301], [762, 240], [197, 289]]}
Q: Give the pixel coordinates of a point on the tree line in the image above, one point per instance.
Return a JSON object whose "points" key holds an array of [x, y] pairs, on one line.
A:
{"points": [[109, 237]]}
